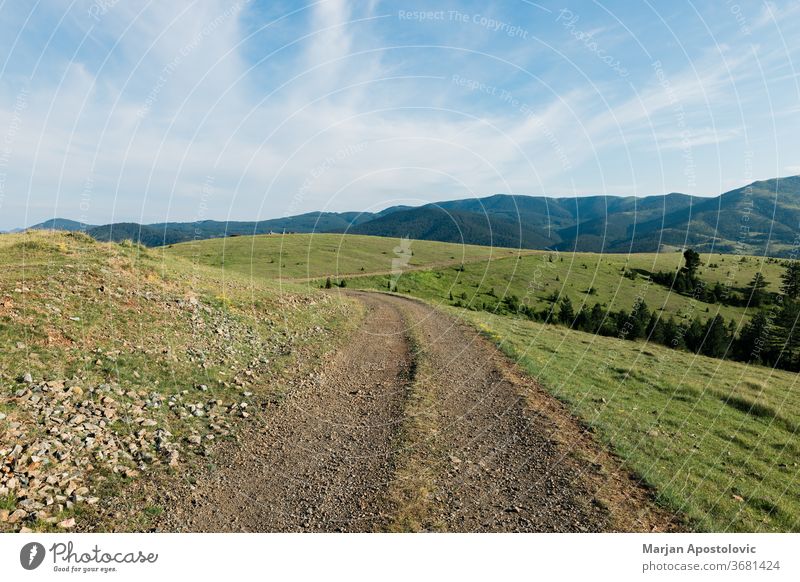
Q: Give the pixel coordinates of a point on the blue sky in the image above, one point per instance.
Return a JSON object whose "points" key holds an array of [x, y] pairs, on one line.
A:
{"points": [[187, 110]]}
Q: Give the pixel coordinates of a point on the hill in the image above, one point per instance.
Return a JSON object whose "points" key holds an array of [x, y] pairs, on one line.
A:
{"points": [[437, 223], [541, 279], [716, 440], [758, 219], [766, 212], [298, 257], [61, 224], [121, 366], [675, 417]]}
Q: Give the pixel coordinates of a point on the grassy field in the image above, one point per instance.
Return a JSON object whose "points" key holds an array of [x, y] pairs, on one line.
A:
{"points": [[118, 323], [585, 278], [314, 256], [717, 440]]}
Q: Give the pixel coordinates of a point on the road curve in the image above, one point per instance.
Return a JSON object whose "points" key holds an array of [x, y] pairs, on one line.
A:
{"points": [[416, 423]]}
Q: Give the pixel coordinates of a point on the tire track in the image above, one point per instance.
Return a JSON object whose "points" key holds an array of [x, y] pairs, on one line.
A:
{"points": [[322, 461], [417, 424], [499, 452]]}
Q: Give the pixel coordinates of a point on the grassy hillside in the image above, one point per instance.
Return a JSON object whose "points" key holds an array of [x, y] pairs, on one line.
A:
{"points": [[119, 362], [310, 256], [718, 440], [586, 278], [116, 347]]}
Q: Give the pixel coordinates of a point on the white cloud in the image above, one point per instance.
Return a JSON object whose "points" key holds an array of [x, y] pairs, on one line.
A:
{"points": [[174, 98]]}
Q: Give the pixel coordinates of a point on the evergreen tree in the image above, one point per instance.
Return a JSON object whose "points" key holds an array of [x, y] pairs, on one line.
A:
{"points": [[566, 313], [751, 345], [596, 317], [640, 319], [785, 334], [716, 339], [719, 293], [693, 336], [655, 329], [754, 293], [673, 334], [692, 263], [791, 280], [581, 320]]}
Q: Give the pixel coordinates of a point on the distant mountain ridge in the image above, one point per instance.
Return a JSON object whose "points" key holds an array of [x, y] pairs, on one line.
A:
{"points": [[761, 218]]}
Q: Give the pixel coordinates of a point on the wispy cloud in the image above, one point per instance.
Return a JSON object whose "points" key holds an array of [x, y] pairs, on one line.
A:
{"points": [[138, 112]]}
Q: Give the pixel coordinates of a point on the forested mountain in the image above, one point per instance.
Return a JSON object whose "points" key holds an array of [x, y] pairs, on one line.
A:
{"points": [[761, 218]]}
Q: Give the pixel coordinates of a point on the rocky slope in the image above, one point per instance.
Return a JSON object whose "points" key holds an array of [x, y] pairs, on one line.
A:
{"points": [[121, 364]]}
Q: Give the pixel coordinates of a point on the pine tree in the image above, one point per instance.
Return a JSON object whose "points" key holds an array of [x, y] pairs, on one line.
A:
{"points": [[785, 336], [716, 339], [640, 319], [754, 292], [596, 317], [673, 335], [566, 313], [751, 345], [655, 329], [692, 263], [791, 280], [693, 336]]}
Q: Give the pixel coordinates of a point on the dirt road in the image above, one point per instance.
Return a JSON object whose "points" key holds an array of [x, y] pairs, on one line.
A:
{"points": [[416, 423]]}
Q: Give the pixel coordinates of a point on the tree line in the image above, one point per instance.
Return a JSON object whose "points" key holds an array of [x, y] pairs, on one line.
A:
{"points": [[771, 337]]}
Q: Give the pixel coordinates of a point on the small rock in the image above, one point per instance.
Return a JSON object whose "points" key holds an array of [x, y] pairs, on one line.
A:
{"points": [[67, 523], [18, 515], [25, 529], [194, 439], [27, 378], [738, 498], [4, 513], [2, 416]]}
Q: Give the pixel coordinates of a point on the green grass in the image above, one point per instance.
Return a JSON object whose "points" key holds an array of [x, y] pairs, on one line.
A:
{"points": [[312, 256], [89, 313], [718, 440], [536, 277]]}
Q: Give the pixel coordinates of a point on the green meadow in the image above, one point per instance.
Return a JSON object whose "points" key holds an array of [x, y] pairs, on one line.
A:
{"points": [[312, 256], [717, 440], [614, 281]]}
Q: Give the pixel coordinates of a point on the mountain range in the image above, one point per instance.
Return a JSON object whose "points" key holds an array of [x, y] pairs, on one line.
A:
{"points": [[761, 218]]}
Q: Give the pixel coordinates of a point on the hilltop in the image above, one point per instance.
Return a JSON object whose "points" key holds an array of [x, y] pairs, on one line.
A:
{"points": [[757, 219]]}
